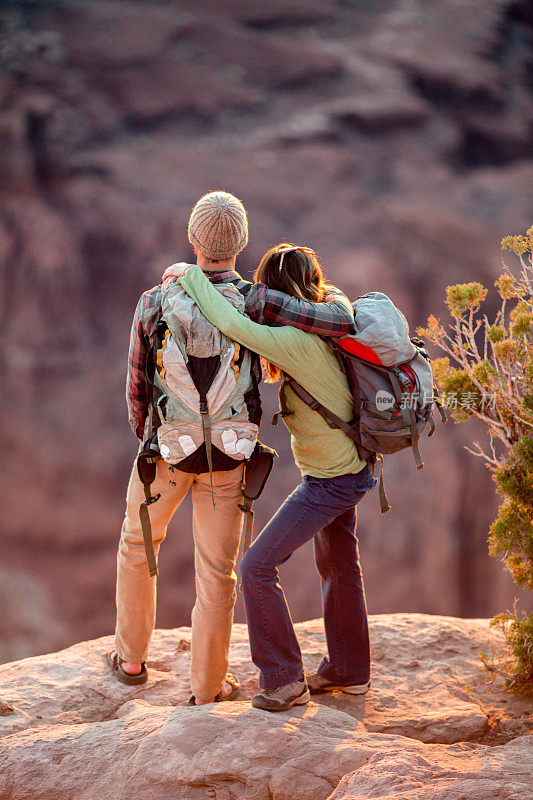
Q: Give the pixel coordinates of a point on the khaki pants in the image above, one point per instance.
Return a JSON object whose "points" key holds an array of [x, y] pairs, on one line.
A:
{"points": [[216, 535]]}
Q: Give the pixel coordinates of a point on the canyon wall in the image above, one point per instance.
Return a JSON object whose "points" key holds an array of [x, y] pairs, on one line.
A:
{"points": [[391, 136]]}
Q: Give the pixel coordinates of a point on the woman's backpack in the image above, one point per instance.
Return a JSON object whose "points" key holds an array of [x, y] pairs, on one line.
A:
{"points": [[390, 377]]}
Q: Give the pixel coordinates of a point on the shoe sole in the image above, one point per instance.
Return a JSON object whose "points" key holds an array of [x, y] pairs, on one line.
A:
{"points": [[361, 689], [301, 700]]}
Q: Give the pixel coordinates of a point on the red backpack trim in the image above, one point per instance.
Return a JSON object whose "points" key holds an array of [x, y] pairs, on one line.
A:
{"points": [[352, 346]]}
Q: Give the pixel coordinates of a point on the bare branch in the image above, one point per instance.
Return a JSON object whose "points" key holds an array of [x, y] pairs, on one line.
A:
{"points": [[482, 454]]}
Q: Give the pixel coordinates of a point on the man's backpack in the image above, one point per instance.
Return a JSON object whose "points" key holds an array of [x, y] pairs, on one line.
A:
{"points": [[390, 377], [203, 381], [204, 392]]}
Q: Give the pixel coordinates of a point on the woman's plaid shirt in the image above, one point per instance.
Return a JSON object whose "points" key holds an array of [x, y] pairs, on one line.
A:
{"points": [[332, 317]]}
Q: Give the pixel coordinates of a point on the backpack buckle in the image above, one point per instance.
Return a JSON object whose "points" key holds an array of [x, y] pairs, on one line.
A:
{"points": [[281, 414], [153, 499]]}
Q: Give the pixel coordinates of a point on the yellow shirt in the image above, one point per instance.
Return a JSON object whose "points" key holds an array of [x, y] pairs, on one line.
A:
{"points": [[319, 450]]}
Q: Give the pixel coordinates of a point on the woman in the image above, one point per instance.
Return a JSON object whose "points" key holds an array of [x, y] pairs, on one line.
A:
{"points": [[322, 507]]}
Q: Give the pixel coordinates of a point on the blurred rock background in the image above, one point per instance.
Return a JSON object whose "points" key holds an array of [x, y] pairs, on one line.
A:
{"points": [[392, 136]]}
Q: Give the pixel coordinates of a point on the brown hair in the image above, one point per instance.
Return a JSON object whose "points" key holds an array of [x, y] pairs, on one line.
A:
{"points": [[300, 276]]}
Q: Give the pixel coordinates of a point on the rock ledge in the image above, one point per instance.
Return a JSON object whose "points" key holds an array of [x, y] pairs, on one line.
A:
{"points": [[69, 729]]}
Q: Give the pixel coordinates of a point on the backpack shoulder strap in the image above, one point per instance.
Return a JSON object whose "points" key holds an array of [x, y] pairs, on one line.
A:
{"points": [[330, 417], [283, 411], [244, 287], [151, 366], [334, 422]]}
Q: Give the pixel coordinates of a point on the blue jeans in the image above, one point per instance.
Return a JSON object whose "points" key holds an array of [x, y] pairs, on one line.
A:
{"points": [[323, 509]]}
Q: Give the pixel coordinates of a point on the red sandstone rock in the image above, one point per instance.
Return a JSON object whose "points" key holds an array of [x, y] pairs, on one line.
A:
{"points": [[69, 729], [110, 34], [377, 113]]}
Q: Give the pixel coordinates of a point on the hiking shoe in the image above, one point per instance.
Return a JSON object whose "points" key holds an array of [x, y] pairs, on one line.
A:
{"points": [[318, 685], [282, 698]]}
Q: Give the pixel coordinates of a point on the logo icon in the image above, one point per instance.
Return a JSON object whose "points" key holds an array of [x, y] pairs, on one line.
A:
{"points": [[384, 400]]}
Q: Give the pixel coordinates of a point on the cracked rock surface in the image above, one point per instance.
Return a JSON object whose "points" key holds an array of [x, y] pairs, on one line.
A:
{"points": [[69, 729], [457, 772]]}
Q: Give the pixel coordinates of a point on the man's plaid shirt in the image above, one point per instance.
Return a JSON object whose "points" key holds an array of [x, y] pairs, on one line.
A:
{"points": [[332, 317]]}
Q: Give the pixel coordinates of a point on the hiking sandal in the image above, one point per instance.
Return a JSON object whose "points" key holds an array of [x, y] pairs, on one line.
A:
{"points": [[114, 661], [233, 682]]}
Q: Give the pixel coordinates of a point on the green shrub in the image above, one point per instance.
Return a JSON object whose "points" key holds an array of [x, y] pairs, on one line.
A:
{"points": [[488, 371]]}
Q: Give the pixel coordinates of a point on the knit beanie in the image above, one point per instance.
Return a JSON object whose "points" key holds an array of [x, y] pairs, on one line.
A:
{"points": [[218, 226]]}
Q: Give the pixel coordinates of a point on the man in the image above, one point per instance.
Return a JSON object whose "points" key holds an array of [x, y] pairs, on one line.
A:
{"points": [[218, 231]]}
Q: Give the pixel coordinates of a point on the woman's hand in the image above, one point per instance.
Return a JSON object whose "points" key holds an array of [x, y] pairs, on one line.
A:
{"points": [[176, 270]]}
